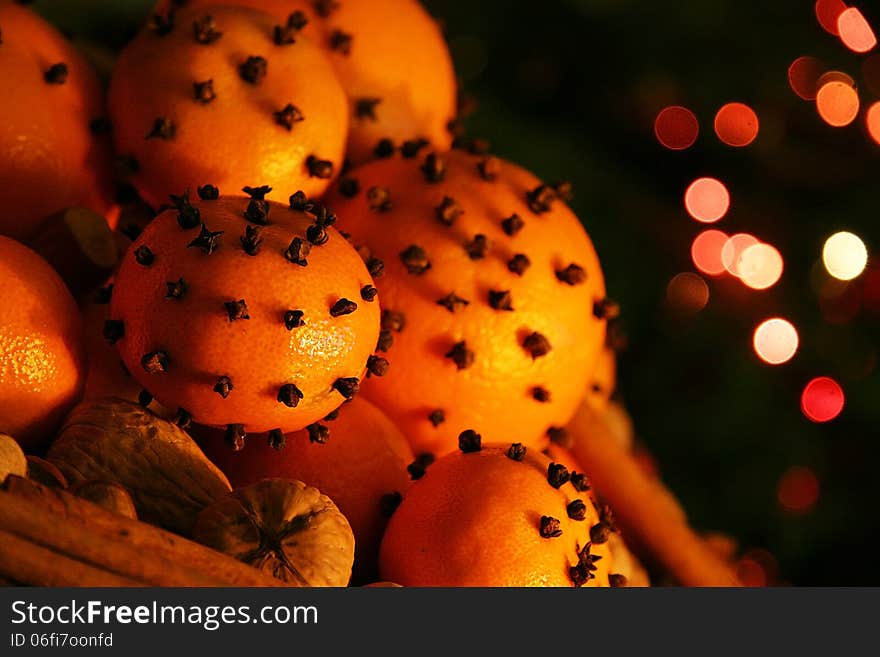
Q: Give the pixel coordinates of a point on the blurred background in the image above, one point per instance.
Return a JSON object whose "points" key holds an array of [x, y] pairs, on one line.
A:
{"points": [[572, 89]]}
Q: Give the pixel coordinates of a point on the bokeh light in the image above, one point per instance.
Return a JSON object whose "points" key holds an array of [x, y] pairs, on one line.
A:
{"points": [[872, 121], [731, 252], [775, 341], [855, 32], [707, 200], [798, 490], [803, 76], [676, 128], [736, 124], [838, 103], [760, 266], [844, 256], [822, 399], [827, 12], [706, 252], [687, 292]]}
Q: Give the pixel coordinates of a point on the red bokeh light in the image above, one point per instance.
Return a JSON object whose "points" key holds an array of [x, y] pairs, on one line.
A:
{"points": [[827, 12], [736, 124], [706, 252], [803, 76], [822, 399], [676, 128], [798, 490]]}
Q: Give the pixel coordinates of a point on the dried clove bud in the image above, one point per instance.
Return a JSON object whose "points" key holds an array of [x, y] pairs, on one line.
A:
{"points": [[461, 355], [518, 264], [377, 366], [580, 482], [477, 248], [559, 436], [288, 115], [541, 199], [489, 168], [347, 386], [298, 251], [205, 30], [325, 7], [187, 216], [318, 168], [512, 225], [253, 69], [155, 362], [293, 319], [379, 199], [434, 168], [234, 436], [606, 309], [223, 386], [206, 241], [175, 289], [550, 527], [183, 418], [540, 394], [572, 275], [144, 256], [415, 259], [316, 235], [341, 42], [284, 35], [437, 417], [318, 433], [500, 300], [365, 108], [600, 532], [385, 341], [388, 503], [208, 192], [236, 310], [516, 452], [393, 320], [448, 211], [251, 240], [349, 187], [537, 345], [410, 149], [163, 128], [384, 149], [470, 441], [289, 395], [56, 74], [277, 439], [452, 302], [557, 474], [162, 24], [576, 510], [300, 202], [617, 580], [343, 307], [369, 293]]}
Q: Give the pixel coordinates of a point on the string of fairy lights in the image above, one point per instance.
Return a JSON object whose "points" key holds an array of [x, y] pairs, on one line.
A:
{"points": [[759, 265]]}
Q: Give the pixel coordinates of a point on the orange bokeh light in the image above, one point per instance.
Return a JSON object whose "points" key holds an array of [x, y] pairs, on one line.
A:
{"points": [[838, 103], [687, 292], [706, 252], [827, 12], [775, 341], [760, 266], [803, 76], [798, 490], [731, 252], [822, 399], [676, 128], [872, 121], [736, 124], [855, 32], [707, 200]]}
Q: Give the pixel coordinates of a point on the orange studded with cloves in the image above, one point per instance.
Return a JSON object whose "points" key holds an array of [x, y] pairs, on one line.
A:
{"points": [[244, 313], [491, 296], [211, 95], [496, 515]]}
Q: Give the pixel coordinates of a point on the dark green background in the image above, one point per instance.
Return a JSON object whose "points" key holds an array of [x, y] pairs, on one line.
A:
{"points": [[570, 88]]}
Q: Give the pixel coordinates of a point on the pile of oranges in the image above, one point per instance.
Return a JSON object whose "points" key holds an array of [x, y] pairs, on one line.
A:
{"points": [[317, 277]]}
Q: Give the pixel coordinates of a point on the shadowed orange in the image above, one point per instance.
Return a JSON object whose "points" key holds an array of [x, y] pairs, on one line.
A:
{"points": [[706, 252], [707, 200], [837, 103], [855, 32], [803, 76], [676, 128], [736, 124], [827, 13]]}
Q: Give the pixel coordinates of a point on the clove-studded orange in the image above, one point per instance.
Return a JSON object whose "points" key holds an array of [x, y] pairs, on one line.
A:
{"points": [[42, 359], [390, 56], [492, 296], [244, 313], [213, 96], [496, 515], [54, 153], [357, 457]]}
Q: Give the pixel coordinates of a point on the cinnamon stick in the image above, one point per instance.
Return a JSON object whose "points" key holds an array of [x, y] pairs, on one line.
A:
{"points": [[643, 507], [57, 539]]}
